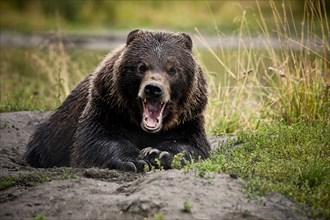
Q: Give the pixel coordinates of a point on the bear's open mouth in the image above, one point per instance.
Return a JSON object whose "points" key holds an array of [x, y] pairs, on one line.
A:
{"points": [[152, 115]]}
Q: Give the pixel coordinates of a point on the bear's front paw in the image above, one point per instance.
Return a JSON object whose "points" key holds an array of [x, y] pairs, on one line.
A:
{"points": [[156, 157]]}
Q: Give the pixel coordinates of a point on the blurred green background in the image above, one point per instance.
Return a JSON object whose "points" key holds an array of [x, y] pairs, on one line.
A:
{"points": [[104, 15]]}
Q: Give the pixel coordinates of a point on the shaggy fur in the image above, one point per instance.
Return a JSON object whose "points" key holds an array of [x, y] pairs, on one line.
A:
{"points": [[105, 123]]}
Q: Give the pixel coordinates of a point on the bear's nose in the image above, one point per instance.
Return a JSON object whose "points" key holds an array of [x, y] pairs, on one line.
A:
{"points": [[153, 90]]}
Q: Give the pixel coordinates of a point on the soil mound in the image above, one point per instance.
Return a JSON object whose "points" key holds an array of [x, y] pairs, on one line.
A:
{"points": [[70, 193]]}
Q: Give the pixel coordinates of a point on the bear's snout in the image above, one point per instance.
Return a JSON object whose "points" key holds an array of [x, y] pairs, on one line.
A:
{"points": [[154, 87], [154, 96], [153, 90]]}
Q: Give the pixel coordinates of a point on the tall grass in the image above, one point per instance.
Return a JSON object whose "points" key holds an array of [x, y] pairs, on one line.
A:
{"points": [[55, 66], [40, 79], [42, 85], [289, 83]]}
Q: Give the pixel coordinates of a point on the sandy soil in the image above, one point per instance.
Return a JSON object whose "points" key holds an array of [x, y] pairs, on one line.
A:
{"points": [[108, 194]]}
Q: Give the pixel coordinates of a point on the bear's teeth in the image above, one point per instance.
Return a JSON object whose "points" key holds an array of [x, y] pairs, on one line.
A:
{"points": [[152, 114]]}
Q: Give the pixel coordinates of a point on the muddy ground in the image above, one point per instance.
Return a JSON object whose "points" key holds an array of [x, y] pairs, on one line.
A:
{"points": [[67, 193]]}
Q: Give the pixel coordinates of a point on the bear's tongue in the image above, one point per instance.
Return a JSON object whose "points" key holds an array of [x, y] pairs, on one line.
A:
{"points": [[152, 114]]}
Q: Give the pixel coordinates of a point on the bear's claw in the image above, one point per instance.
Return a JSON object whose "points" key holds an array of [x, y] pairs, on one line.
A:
{"points": [[128, 166], [135, 167], [164, 154], [145, 164], [151, 154], [149, 151]]}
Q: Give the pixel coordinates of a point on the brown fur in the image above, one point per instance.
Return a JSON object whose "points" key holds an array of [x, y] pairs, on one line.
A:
{"points": [[101, 122]]}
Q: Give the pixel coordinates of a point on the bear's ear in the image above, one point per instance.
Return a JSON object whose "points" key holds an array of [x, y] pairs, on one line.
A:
{"points": [[132, 35], [186, 39]]}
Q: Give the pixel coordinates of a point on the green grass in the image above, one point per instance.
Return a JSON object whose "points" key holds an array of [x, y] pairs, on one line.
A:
{"points": [[293, 160], [40, 217], [187, 207], [23, 180], [33, 79], [159, 216], [259, 87], [33, 179]]}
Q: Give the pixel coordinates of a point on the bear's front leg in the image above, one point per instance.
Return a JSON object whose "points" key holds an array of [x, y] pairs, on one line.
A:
{"points": [[103, 152]]}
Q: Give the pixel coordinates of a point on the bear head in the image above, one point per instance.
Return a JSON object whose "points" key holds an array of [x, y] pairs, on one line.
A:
{"points": [[154, 80]]}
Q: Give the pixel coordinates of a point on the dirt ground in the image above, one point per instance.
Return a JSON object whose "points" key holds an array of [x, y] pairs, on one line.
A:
{"points": [[70, 193]]}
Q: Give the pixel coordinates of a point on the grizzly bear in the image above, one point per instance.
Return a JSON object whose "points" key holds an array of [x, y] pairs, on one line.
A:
{"points": [[145, 101]]}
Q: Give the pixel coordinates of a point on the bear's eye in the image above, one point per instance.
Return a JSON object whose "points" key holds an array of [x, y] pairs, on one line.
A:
{"points": [[142, 67], [172, 71]]}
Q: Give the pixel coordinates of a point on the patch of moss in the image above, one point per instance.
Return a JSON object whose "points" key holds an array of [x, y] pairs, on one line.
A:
{"points": [[40, 217], [65, 173], [35, 178], [159, 216], [7, 182], [187, 207], [29, 179]]}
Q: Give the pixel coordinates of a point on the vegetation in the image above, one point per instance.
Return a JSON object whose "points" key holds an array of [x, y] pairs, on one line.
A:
{"points": [[159, 216], [33, 179], [102, 15], [40, 217], [34, 79], [22, 180], [293, 160], [187, 207], [280, 102], [264, 86]]}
